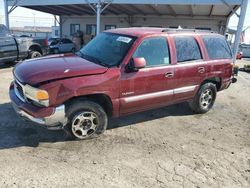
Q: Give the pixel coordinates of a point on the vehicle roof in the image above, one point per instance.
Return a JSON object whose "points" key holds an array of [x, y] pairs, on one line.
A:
{"points": [[141, 31]]}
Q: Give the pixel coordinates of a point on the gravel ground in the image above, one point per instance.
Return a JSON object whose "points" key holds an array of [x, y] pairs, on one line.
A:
{"points": [[167, 147]]}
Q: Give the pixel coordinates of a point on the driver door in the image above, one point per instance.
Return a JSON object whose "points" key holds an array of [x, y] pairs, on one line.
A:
{"points": [[152, 86]]}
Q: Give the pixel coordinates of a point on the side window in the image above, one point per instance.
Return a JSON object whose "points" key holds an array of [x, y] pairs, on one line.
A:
{"points": [[187, 49], [217, 47], [154, 50], [74, 28]]}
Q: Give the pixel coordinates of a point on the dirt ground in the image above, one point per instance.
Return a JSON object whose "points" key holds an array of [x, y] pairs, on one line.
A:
{"points": [[167, 147]]}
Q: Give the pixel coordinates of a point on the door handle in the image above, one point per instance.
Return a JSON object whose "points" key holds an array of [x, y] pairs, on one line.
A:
{"points": [[169, 74], [201, 69]]}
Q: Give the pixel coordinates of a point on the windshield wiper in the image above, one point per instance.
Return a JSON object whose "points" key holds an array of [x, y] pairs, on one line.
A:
{"points": [[92, 59]]}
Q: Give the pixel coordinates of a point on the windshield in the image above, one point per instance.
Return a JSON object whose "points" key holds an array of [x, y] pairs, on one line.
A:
{"points": [[107, 49]]}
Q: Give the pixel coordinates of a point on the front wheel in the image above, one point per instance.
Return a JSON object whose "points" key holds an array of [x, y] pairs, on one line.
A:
{"points": [[204, 99], [87, 119]]}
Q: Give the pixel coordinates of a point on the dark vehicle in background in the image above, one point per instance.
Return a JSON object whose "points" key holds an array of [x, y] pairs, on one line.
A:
{"points": [[64, 45], [14, 48]]}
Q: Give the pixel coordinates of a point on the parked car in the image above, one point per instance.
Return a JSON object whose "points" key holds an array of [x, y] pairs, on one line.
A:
{"points": [[121, 72], [14, 48], [61, 46]]}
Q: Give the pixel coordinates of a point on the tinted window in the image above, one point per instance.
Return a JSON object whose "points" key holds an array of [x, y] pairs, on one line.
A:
{"points": [[107, 49], [187, 49], [90, 29], [65, 41], [154, 50], [74, 28], [217, 47]]}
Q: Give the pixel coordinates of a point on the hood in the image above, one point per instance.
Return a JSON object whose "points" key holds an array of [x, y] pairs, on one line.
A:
{"points": [[55, 67]]}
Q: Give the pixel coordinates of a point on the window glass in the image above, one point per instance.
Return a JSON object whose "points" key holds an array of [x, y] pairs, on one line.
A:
{"points": [[154, 50], [187, 49], [91, 29], [107, 49], [74, 28], [107, 27], [217, 47], [65, 41]]}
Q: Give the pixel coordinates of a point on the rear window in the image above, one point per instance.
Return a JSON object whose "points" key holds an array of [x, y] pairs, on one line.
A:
{"points": [[217, 47], [187, 49]]}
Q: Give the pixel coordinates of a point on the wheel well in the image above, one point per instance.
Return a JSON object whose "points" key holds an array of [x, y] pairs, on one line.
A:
{"points": [[214, 80], [36, 48], [101, 99]]}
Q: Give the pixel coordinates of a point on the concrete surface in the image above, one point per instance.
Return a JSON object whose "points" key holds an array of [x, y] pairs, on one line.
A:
{"points": [[167, 147]]}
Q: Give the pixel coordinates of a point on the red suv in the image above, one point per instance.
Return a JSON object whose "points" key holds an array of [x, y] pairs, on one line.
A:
{"points": [[120, 72]]}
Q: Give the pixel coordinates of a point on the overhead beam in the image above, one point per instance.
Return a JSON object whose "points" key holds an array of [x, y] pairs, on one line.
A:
{"points": [[190, 7], [82, 9], [211, 10], [48, 10], [66, 9], [112, 10], [136, 9], [152, 2], [124, 10], [153, 9], [172, 10]]}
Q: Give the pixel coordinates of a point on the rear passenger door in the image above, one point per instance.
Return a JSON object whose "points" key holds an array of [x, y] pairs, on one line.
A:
{"points": [[190, 69]]}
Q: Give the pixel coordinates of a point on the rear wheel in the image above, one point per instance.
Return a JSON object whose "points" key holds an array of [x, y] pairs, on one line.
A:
{"points": [[87, 119], [35, 54], [204, 99]]}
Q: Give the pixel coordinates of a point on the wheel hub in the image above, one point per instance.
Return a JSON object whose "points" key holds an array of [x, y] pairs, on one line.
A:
{"points": [[206, 98], [84, 124]]}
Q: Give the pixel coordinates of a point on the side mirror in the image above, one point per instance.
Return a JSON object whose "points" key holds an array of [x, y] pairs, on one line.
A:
{"points": [[139, 63], [135, 64]]}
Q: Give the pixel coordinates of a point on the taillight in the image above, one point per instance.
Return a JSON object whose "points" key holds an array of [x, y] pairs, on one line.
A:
{"points": [[46, 42]]}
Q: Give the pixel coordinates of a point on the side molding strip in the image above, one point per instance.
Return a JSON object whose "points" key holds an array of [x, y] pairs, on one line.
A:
{"points": [[159, 94]]}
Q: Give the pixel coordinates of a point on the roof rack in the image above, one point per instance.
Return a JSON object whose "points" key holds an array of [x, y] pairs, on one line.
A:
{"points": [[171, 30]]}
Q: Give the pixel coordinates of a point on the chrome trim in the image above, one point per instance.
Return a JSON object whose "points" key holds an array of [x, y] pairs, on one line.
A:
{"points": [[55, 121], [17, 92], [185, 89], [149, 96], [160, 94]]}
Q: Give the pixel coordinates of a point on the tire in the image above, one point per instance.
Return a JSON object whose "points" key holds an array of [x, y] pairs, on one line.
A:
{"points": [[73, 50], [35, 54], [86, 119], [204, 99]]}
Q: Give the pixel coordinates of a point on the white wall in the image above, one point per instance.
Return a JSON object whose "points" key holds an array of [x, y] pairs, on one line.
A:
{"points": [[162, 21]]}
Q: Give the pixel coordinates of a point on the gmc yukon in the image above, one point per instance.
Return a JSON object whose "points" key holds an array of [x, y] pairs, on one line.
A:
{"points": [[120, 72]]}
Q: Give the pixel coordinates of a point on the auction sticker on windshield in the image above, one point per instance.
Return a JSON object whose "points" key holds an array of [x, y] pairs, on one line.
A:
{"points": [[124, 39]]}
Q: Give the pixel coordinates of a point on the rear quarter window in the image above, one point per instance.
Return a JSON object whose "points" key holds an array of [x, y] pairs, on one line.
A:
{"points": [[217, 47], [187, 49]]}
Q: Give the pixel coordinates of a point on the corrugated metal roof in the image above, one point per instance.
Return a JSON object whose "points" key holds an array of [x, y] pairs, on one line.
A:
{"points": [[138, 9]]}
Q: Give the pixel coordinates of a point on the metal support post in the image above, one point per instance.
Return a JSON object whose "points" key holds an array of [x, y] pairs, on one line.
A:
{"points": [[6, 14], [243, 10], [98, 16]]}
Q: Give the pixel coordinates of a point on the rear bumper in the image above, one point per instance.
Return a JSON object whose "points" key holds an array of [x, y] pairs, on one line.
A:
{"points": [[51, 118]]}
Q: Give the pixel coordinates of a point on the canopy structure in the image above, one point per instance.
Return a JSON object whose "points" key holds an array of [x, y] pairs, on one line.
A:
{"points": [[220, 10]]}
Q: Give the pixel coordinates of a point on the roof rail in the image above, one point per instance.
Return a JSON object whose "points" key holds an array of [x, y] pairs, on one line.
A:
{"points": [[171, 30]]}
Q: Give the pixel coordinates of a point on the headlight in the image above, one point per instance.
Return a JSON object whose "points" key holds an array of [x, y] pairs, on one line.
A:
{"points": [[37, 95]]}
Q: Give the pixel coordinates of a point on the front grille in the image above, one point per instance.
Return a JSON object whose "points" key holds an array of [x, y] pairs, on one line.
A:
{"points": [[19, 91]]}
